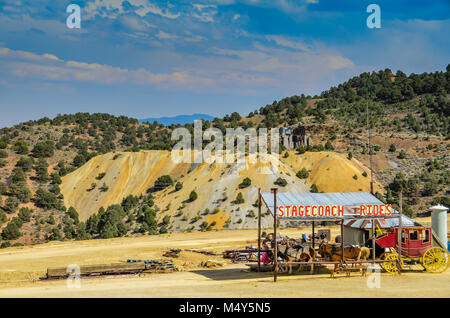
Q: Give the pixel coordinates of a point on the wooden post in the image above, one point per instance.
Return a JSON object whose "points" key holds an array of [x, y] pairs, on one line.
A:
{"points": [[275, 246], [342, 241], [373, 241], [313, 247], [313, 244], [399, 238], [259, 229]]}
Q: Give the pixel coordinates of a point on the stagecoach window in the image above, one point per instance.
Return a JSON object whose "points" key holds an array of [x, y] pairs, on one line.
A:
{"points": [[413, 236], [427, 236], [403, 236]]}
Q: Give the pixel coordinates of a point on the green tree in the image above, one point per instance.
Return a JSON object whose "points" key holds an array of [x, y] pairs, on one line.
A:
{"points": [[20, 147], [11, 204], [41, 169], [280, 182], [239, 198], [26, 163], [245, 183], [11, 232], [193, 196], [302, 174], [44, 149], [392, 148], [314, 188], [163, 182], [178, 186]]}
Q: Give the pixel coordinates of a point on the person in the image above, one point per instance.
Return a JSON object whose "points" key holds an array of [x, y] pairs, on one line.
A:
{"points": [[265, 255]]}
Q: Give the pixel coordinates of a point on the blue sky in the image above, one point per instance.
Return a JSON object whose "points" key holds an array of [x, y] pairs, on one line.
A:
{"points": [[145, 58]]}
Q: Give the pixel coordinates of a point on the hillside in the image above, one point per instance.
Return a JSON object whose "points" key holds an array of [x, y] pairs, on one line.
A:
{"points": [[51, 170], [217, 186]]}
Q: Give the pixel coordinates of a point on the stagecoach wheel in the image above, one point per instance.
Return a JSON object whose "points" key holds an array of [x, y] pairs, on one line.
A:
{"points": [[435, 260], [390, 267]]}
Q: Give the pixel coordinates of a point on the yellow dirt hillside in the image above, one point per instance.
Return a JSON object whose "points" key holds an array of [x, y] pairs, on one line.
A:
{"points": [[125, 173], [332, 172], [217, 185]]}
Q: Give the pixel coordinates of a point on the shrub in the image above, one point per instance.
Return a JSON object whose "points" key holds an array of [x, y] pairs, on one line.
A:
{"points": [[44, 149], [20, 147], [314, 188], [329, 146], [100, 176], [25, 214], [178, 186], [193, 196], [239, 198], [73, 214], [11, 232], [3, 154], [26, 163], [47, 200], [104, 187], [302, 174], [11, 204], [401, 154], [17, 175], [355, 177], [163, 182], [245, 183], [349, 156], [20, 191], [364, 174], [281, 182], [301, 150], [392, 148], [41, 169]]}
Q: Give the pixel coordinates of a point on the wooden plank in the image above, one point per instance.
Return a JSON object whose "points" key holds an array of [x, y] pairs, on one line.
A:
{"points": [[98, 269]]}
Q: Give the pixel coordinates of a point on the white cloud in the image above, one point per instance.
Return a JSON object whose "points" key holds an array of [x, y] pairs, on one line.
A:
{"points": [[112, 8], [165, 36]]}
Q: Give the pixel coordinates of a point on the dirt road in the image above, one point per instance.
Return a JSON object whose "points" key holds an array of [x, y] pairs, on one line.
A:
{"points": [[19, 265]]}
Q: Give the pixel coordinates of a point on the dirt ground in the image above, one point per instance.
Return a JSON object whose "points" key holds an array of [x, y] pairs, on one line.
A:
{"points": [[20, 269]]}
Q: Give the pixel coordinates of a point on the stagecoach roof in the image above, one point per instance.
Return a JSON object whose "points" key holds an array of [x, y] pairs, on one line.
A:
{"points": [[383, 223], [350, 200]]}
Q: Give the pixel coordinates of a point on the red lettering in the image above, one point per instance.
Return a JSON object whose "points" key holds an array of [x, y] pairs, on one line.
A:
{"points": [[280, 211], [362, 210], [388, 210], [294, 210], [341, 210], [320, 209], [327, 210]]}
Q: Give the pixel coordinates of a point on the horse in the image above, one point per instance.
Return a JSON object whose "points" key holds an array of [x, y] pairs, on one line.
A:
{"points": [[335, 254], [293, 251]]}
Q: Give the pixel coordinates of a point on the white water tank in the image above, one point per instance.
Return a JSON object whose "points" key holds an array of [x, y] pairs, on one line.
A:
{"points": [[439, 222]]}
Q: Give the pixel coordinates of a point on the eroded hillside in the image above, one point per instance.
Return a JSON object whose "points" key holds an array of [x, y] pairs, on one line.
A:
{"points": [[217, 185]]}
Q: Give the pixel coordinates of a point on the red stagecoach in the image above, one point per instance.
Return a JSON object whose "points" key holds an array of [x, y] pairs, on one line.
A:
{"points": [[416, 248]]}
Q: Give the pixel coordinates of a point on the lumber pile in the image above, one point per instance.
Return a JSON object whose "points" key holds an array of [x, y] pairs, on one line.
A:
{"points": [[128, 267]]}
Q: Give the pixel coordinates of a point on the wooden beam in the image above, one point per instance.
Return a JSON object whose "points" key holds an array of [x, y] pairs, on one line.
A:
{"points": [[275, 246], [259, 229]]}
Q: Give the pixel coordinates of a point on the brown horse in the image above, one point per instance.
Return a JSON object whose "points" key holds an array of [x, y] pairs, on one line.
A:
{"points": [[335, 254]]}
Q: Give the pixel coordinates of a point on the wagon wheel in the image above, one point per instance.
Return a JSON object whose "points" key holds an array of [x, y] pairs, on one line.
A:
{"points": [[435, 260], [391, 267]]}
